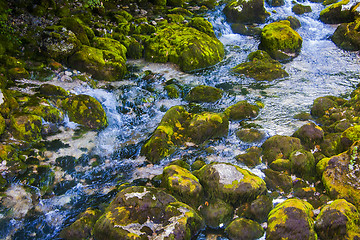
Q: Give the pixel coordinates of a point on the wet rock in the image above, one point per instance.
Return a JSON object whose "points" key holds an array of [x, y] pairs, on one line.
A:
{"points": [[85, 110], [180, 163], [261, 67], [244, 229], [111, 45], [185, 46], [44, 109], [84, 33], [340, 175], [291, 219], [275, 3], [321, 105], [183, 185], [281, 165], [303, 164], [143, 212], [300, 9], [294, 22], [59, 43], [172, 90], [331, 144], [18, 200], [349, 136], [50, 91], [102, 64], [81, 228], [199, 163], [217, 213], [310, 135], [338, 220], [280, 40], [230, 183], [26, 127], [18, 73], [279, 147], [247, 12], [204, 94], [278, 181], [251, 158], [205, 126], [134, 47], [347, 36], [337, 13], [202, 25], [257, 210], [242, 110], [247, 30]]}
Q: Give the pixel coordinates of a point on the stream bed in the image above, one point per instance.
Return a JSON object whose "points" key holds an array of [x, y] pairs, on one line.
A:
{"points": [[134, 108]]}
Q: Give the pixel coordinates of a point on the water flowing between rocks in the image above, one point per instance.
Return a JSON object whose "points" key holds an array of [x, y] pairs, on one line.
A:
{"points": [[111, 157]]}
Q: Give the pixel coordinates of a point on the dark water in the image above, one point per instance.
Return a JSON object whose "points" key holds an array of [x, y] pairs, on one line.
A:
{"points": [[134, 108]]}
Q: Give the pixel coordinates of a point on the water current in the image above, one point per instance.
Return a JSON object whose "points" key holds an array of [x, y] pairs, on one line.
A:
{"points": [[134, 108]]}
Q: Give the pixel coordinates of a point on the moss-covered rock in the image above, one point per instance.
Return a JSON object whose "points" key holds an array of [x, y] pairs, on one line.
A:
{"points": [[247, 30], [280, 40], [303, 164], [217, 213], [85, 110], [338, 220], [185, 46], [204, 93], [111, 45], [134, 47], [50, 91], [347, 36], [275, 3], [2, 124], [81, 228], [250, 135], [261, 67], [242, 110], [279, 147], [310, 135], [172, 90], [244, 229], [281, 165], [321, 105], [299, 9], [340, 175], [59, 43], [337, 13], [294, 22], [291, 219], [349, 136], [202, 25], [230, 183], [241, 11], [278, 181], [84, 33], [18, 73], [182, 184], [102, 64], [26, 127], [143, 212], [251, 158], [44, 109], [257, 210]]}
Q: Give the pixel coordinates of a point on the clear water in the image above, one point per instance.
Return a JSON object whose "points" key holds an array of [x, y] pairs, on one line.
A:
{"points": [[134, 112]]}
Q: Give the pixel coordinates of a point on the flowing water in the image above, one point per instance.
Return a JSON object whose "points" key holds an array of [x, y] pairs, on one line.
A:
{"points": [[135, 106]]}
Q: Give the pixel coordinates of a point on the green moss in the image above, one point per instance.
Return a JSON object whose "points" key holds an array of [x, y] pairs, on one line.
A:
{"points": [[299, 9], [46, 111], [26, 127], [280, 40], [85, 110], [242, 110], [335, 14], [279, 147], [82, 32], [247, 12], [347, 36], [204, 93], [202, 25]]}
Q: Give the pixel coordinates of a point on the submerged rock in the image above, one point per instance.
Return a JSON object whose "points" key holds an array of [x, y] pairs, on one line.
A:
{"points": [[230, 183], [291, 219], [244, 229], [185, 46], [85, 110], [242, 11], [204, 94], [280, 40], [261, 67], [338, 220], [242, 110], [143, 212], [299, 9]]}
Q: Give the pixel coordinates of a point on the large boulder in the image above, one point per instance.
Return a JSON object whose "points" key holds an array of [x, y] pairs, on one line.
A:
{"points": [[85, 110], [292, 220], [230, 183], [102, 64], [340, 175], [144, 212], [347, 36], [339, 12], [338, 220], [242, 11], [261, 67], [279, 147], [185, 46], [280, 40], [181, 183]]}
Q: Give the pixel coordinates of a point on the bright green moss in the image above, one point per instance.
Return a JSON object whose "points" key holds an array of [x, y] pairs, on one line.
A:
{"points": [[26, 127]]}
